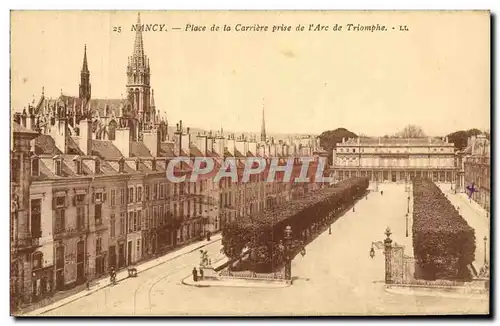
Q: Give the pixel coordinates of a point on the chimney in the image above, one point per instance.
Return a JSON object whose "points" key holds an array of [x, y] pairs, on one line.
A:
{"points": [[446, 139], [219, 144], [30, 122], [252, 147], [202, 143], [231, 144], [122, 141], [23, 118], [210, 142], [242, 146], [152, 140], [60, 134], [186, 142], [343, 140], [85, 136]]}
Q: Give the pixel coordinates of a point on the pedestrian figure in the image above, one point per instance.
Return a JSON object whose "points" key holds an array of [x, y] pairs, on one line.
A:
{"points": [[201, 274], [353, 208], [87, 283], [381, 192], [330, 229], [113, 276], [208, 235], [195, 274]]}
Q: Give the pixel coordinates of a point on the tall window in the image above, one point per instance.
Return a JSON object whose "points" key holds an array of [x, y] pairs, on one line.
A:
{"points": [[80, 217], [155, 191], [112, 222], [60, 220], [139, 219], [161, 216], [78, 167], [122, 196], [130, 222], [98, 246], [130, 195], [146, 192], [98, 214], [113, 197], [37, 260], [58, 167], [135, 221], [122, 223], [36, 226], [139, 194], [162, 191]]}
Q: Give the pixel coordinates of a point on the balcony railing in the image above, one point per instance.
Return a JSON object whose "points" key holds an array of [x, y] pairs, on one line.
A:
{"points": [[27, 243]]}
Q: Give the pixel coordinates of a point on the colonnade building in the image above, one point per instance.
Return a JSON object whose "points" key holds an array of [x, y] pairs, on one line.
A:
{"points": [[395, 159]]}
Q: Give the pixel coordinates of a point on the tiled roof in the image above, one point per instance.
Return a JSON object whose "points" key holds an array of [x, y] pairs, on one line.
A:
{"points": [[195, 152], [105, 149], [237, 153], [73, 147], [44, 144], [138, 149]]}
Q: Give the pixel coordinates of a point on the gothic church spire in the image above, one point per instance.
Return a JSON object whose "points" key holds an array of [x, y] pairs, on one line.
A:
{"points": [[263, 127]]}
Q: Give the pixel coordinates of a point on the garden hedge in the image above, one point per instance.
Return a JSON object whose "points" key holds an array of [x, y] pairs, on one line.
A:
{"points": [[443, 242], [262, 233]]}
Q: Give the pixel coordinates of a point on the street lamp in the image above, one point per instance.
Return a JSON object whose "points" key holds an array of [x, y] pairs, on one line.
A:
{"points": [[372, 252], [288, 243]]}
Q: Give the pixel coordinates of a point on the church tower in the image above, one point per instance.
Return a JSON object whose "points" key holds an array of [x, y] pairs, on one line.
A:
{"points": [[85, 79], [263, 127], [138, 74]]}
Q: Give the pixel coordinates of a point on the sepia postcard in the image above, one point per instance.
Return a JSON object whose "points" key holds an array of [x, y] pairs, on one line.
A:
{"points": [[250, 163]]}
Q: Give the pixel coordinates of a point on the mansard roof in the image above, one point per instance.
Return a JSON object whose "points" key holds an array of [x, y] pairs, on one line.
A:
{"points": [[138, 149], [396, 141], [44, 144], [105, 149]]}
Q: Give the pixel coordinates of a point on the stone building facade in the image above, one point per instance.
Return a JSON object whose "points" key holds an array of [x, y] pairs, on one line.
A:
{"points": [[90, 190], [395, 159], [477, 169]]}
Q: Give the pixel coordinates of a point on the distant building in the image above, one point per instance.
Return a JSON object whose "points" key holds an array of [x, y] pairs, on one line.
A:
{"points": [[476, 169], [395, 159]]}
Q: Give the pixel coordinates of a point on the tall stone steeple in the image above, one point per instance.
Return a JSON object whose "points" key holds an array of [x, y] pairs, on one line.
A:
{"points": [[138, 76], [263, 127], [85, 88]]}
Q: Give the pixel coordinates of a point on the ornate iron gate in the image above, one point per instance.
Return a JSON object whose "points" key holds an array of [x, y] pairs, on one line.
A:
{"points": [[402, 266]]}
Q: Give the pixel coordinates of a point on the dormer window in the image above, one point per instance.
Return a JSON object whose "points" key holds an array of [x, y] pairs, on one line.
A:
{"points": [[58, 167], [121, 166], [35, 167], [97, 166], [78, 167], [137, 165], [153, 165]]}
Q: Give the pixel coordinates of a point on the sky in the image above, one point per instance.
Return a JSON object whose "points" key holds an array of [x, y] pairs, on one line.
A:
{"points": [[435, 75]]}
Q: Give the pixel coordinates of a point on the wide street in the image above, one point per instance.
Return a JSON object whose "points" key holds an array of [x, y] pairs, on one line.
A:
{"points": [[335, 277]]}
